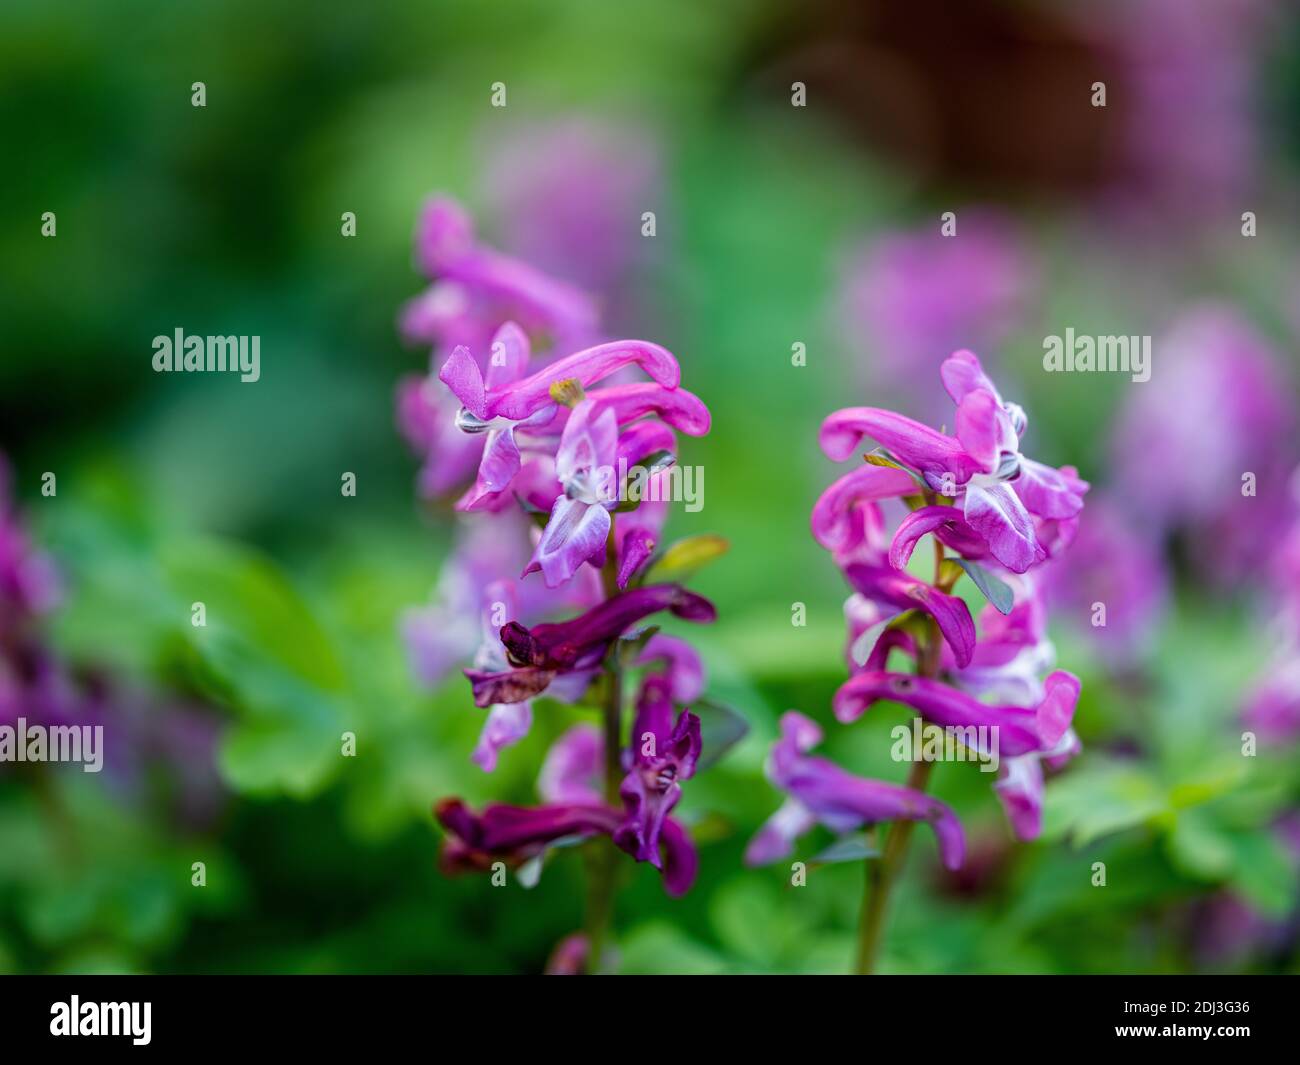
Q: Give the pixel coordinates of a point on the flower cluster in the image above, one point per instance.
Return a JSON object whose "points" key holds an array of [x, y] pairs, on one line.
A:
{"points": [[556, 458], [992, 513]]}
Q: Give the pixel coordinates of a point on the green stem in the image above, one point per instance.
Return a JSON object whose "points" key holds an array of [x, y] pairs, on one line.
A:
{"points": [[882, 872], [602, 866]]}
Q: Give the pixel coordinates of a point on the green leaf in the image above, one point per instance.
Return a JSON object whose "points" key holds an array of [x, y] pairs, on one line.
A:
{"points": [[721, 728], [878, 457], [684, 557], [995, 590], [854, 848], [1100, 797]]}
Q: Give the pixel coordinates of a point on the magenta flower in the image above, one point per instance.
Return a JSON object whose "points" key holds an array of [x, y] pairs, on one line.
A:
{"points": [[556, 437], [1000, 491], [574, 808], [1021, 729], [546, 651], [991, 514], [819, 791], [477, 288], [663, 755], [1220, 405], [568, 196], [909, 298]]}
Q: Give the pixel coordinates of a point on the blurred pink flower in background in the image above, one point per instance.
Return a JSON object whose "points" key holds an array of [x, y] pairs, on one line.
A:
{"points": [[1219, 405], [910, 298], [567, 195]]}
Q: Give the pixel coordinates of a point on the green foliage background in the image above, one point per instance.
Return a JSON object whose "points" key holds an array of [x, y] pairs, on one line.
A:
{"points": [[225, 220]]}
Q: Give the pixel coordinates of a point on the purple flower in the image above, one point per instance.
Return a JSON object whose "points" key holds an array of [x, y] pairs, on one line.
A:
{"points": [[910, 298], [1219, 405], [573, 807], [902, 591], [683, 667], [1000, 491], [426, 417], [517, 398], [663, 755], [546, 651], [585, 466], [513, 834], [1021, 729], [568, 195], [571, 772], [478, 288], [820, 791]]}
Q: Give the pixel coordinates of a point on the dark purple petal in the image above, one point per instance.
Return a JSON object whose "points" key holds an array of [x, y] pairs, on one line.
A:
{"points": [[635, 548], [902, 590], [508, 686], [681, 861], [563, 643], [513, 833]]}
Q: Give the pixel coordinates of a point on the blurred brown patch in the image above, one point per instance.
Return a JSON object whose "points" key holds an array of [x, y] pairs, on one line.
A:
{"points": [[984, 94]]}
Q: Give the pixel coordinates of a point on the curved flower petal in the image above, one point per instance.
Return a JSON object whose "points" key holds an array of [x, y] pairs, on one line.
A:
{"points": [[681, 861], [843, 801], [996, 513], [461, 374], [575, 532], [1056, 711], [638, 442], [962, 374], [508, 356], [635, 548], [776, 838], [526, 397], [1020, 791], [571, 771], [832, 524], [1050, 493], [685, 668], [562, 644], [506, 724], [677, 407], [949, 528], [910, 442], [984, 429], [1018, 727], [902, 590]]}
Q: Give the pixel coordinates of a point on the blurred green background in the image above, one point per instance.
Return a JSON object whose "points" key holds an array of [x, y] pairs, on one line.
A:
{"points": [[226, 220]]}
